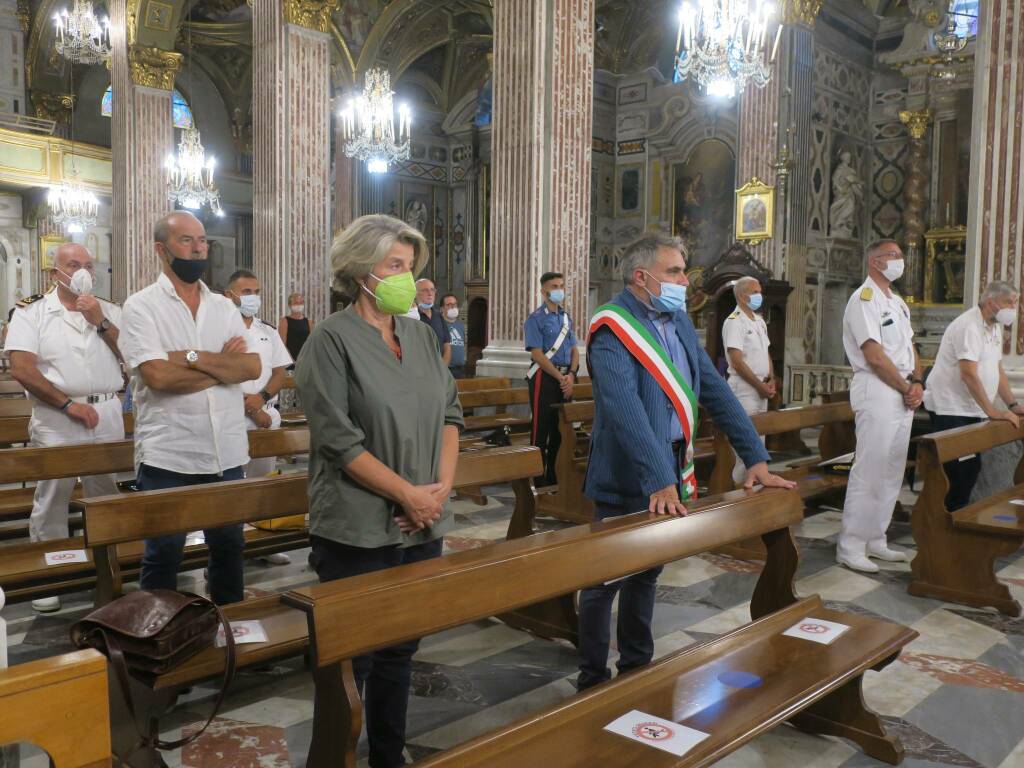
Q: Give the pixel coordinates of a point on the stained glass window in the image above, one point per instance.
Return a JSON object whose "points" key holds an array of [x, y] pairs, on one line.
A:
{"points": [[181, 113], [965, 16]]}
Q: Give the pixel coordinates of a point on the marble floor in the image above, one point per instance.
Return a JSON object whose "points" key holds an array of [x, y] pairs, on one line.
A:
{"points": [[955, 697]]}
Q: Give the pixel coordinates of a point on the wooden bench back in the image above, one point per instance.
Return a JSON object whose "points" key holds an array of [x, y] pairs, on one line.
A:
{"points": [[14, 407], [357, 615], [953, 444], [792, 419], [483, 398], [11, 388], [577, 410], [60, 705], [32, 464], [486, 382], [14, 429]]}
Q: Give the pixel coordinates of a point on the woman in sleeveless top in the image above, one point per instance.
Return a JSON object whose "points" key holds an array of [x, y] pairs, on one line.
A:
{"points": [[294, 328]]}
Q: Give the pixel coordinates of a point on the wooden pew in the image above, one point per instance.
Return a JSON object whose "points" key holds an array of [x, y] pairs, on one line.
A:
{"points": [[60, 705], [14, 429], [957, 552], [354, 616], [484, 382], [500, 399], [15, 407], [11, 389]]}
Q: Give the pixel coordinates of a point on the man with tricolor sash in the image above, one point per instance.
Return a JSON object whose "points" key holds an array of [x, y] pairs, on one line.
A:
{"points": [[649, 375]]}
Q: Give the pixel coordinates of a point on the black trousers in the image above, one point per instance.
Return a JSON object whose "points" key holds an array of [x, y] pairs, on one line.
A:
{"points": [[962, 474], [545, 392]]}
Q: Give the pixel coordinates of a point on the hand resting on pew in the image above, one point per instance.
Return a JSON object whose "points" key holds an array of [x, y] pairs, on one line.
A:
{"points": [[759, 475]]}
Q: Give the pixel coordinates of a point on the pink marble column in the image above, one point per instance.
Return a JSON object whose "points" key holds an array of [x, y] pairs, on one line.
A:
{"points": [[758, 149], [291, 140], [141, 137], [344, 189], [540, 201]]}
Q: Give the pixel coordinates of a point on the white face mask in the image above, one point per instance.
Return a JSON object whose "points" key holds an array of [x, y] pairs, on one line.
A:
{"points": [[250, 305], [297, 309], [893, 270], [80, 282], [1006, 316], [413, 313], [452, 314]]}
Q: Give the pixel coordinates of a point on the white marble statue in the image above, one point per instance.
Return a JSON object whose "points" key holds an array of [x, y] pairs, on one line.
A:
{"points": [[416, 215], [847, 191]]}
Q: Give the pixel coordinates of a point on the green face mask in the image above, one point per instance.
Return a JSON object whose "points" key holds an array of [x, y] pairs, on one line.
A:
{"points": [[394, 294]]}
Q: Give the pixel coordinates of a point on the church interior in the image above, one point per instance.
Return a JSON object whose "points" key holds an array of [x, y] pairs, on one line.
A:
{"points": [[523, 138]]}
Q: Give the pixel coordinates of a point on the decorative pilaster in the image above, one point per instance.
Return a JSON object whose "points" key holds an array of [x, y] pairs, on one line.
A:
{"points": [[291, 160], [141, 138], [541, 142], [914, 192], [344, 184], [757, 155]]}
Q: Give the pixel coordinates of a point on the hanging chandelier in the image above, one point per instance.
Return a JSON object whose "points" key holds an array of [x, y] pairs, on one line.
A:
{"points": [[949, 44], [81, 37], [721, 44], [72, 205], [368, 124], [190, 175]]}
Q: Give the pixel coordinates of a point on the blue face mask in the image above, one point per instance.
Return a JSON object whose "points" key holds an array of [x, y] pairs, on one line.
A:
{"points": [[426, 306], [755, 301], [557, 295], [672, 298]]}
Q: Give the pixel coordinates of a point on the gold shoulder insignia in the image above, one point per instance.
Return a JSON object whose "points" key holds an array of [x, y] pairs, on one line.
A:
{"points": [[30, 300], [866, 294], [735, 313]]}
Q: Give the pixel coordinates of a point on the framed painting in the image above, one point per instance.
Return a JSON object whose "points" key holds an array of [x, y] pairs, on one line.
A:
{"points": [[629, 194], [703, 197], [48, 244], [755, 212]]}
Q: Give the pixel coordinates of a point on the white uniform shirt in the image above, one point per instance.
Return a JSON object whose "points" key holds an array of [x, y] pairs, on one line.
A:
{"points": [[870, 314], [196, 434], [265, 340], [69, 352], [968, 337], [750, 336]]}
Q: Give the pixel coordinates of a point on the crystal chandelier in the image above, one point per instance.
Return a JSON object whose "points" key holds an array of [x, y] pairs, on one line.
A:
{"points": [[949, 43], [72, 205], [721, 44], [190, 175], [368, 122], [81, 37]]}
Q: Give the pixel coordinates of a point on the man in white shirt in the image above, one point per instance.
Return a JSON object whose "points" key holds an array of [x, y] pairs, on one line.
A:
{"points": [[186, 349], [967, 375], [63, 348], [745, 338], [885, 392]]}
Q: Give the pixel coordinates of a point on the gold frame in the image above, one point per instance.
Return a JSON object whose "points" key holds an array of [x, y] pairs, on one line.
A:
{"points": [[45, 243], [755, 189], [932, 239]]}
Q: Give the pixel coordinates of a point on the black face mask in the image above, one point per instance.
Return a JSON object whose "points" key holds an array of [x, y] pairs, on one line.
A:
{"points": [[188, 270]]}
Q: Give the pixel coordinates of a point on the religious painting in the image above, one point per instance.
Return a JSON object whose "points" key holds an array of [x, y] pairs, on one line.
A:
{"points": [[48, 245], [755, 212], [628, 199], [702, 201]]}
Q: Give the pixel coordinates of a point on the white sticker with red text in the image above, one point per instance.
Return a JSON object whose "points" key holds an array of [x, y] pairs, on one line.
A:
{"points": [[817, 630], [67, 556], [655, 732], [244, 632]]}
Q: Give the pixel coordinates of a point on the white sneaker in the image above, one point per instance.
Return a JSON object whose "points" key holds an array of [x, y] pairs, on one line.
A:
{"points": [[884, 553], [278, 558], [46, 604], [857, 563]]}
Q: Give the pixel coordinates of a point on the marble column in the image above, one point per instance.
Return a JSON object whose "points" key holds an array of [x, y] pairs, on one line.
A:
{"points": [[541, 141], [914, 194], [291, 160], [344, 184], [141, 137], [758, 151]]}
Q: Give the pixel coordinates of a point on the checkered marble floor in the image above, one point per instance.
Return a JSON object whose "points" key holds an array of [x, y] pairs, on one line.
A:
{"points": [[955, 697]]}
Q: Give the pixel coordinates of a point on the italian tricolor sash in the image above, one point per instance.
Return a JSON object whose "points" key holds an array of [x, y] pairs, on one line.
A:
{"points": [[652, 356]]}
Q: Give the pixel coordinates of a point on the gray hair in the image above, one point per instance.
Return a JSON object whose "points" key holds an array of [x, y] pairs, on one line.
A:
{"points": [[877, 245], [998, 290], [365, 242], [642, 253], [741, 283]]}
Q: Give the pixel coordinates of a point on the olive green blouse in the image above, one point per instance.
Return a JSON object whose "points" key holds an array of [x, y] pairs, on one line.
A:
{"points": [[358, 396]]}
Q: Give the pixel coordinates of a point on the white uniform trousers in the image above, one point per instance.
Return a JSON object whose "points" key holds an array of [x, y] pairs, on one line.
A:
{"points": [[883, 426], [752, 403], [49, 427]]}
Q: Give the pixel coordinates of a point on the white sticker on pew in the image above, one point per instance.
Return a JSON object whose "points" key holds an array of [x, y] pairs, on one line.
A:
{"points": [[67, 556], [244, 632], [1018, 502], [655, 732], [817, 630]]}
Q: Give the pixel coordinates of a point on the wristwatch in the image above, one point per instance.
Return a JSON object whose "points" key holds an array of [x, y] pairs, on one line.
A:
{"points": [[104, 326], [267, 397], [191, 357]]}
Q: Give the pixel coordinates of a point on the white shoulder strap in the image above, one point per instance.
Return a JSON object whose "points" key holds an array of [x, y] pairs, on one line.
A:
{"points": [[559, 341]]}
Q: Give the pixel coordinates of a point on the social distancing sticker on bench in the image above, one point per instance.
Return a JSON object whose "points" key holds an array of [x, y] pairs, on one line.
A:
{"points": [[67, 556], [1018, 502], [244, 632], [655, 732], [817, 630]]}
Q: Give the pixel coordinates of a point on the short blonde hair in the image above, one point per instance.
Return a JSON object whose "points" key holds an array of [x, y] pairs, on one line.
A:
{"points": [[365, 242]]}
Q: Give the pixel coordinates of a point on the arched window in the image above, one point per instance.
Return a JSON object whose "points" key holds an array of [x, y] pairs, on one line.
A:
{"points": [[181, 113], [965, 16]]}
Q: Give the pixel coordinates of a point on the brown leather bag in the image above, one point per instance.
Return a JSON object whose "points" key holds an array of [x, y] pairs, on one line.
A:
{"points": [[149, 632]]}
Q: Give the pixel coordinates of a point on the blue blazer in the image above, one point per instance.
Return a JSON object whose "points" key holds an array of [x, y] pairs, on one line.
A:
{"points": [[631, 446]]}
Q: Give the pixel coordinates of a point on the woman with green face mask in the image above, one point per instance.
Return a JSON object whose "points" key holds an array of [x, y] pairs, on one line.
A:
{"points": [[384, 414]]}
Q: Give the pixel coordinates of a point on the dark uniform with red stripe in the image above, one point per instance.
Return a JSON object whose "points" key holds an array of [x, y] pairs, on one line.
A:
{"points": [[541, 330]]}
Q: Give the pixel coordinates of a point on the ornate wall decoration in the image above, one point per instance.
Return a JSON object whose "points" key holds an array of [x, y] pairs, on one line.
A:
{"points": [[917, 122], [311, 14], [53, 106], [801, 11], [703, 201], [158, 16], [154, 67]]}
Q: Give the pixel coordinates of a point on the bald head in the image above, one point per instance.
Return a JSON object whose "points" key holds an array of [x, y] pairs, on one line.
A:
{"points": [[71, 256], [179, 235], [426, 293], [173, 221]]}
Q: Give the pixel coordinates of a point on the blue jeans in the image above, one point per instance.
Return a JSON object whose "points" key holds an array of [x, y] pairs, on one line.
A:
{"points": [[162, 556], [633, 631], [384, 676]]}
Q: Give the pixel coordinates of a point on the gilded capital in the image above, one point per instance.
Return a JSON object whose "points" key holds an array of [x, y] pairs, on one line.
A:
{"points": [[917, 122], [53, 106], [800, 11], [153, 67], [311, 14]]}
